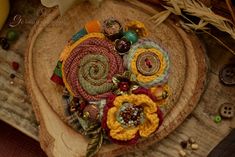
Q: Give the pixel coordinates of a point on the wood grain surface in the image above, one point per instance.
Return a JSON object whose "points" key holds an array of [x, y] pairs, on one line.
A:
{"points": [[199, 124]]}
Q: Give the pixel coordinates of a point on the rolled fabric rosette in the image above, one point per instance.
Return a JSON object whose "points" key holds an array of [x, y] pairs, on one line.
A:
{"points": [[88, 69], [148, 62]]}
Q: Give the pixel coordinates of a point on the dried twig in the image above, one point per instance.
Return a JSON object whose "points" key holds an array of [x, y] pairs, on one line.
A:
{"points": [[204, 30], [229, 5], [197, 9]]}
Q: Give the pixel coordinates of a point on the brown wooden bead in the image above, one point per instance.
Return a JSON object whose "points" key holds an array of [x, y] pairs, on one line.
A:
{"points": [[91, 112]]}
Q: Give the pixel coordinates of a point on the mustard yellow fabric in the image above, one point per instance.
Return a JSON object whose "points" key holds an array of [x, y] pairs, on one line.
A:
{"points": [[148, 127]]}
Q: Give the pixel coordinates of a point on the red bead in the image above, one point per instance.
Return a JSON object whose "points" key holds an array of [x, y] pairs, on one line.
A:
{"points": [[15, 65]]}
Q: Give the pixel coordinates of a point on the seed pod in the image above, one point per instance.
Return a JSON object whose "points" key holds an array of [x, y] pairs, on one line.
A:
{"points": [[182, 153], [194, 146]]}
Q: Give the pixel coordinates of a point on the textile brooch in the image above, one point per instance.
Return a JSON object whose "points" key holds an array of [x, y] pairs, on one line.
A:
{"points": [[115, 82]]}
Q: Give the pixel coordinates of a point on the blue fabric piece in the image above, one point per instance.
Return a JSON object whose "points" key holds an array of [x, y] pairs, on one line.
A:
{"points": [[79, 34]]}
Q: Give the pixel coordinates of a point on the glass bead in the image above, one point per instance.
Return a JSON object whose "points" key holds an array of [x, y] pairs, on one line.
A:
{"points": [[12, 35], [6, 46], [131, 36], [217, 119], [122, 46]]}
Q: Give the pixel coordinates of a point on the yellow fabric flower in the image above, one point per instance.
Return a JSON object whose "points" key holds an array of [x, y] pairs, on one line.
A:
{"points": [[138, 27], [118, 131]]}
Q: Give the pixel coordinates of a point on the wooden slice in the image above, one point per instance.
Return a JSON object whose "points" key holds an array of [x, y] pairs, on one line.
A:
{"points": [[49, 36]]}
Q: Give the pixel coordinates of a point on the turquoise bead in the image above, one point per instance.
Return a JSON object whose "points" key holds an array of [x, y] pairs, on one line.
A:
{"points": [[131, 36]]}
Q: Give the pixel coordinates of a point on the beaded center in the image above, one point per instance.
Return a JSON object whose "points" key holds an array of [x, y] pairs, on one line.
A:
{"points": [[130, 115]]}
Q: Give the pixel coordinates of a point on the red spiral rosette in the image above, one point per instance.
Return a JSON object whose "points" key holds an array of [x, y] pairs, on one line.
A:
{"points": [[89, 68]]}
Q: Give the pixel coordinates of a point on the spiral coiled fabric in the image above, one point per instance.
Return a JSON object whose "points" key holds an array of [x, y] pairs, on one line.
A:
{"points": [[89, 68]]}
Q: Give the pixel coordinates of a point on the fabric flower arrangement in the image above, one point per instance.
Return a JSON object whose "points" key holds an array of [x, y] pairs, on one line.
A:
{"points": [[115, 82], [130, 116]]}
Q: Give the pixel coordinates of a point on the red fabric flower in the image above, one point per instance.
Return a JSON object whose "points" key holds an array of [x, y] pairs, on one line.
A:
{"points": [[123, 86]]}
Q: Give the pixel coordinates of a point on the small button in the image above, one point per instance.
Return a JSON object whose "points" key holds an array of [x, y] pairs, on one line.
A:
{"points": [[148, 63], [227, 75], [227, 110]]}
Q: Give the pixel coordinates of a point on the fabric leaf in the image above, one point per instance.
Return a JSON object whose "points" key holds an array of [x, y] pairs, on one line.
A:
{"points": [[95, 144]]}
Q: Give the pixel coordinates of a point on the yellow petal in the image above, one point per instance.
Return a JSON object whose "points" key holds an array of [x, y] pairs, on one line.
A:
{"points": [[140, 99], [125, 134], [123, 98], [112, 123], [146, 102], [149, 126]]}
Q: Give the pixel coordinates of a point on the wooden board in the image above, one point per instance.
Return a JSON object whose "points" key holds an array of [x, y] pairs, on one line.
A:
{"points": [[46, 40]]}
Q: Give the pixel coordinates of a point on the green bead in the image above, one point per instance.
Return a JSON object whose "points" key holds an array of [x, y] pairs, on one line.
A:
{"points": [[12, 35], [131, 36], [217, 119]]}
